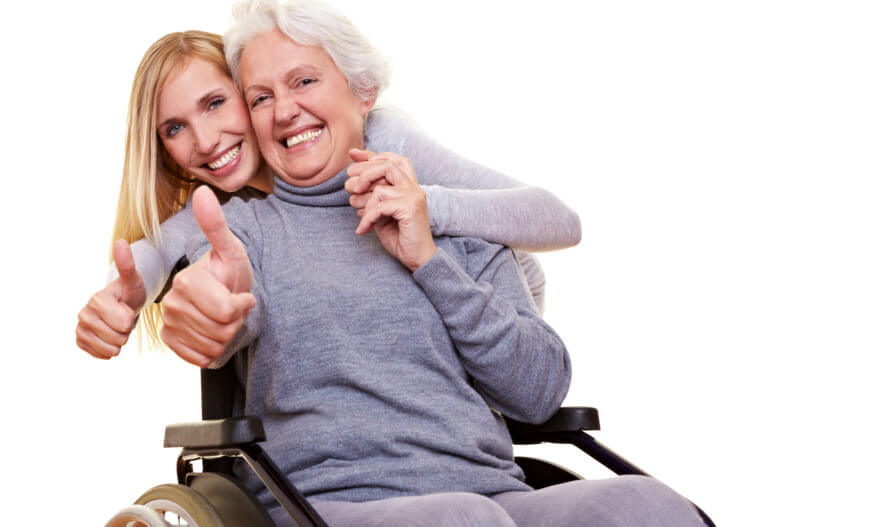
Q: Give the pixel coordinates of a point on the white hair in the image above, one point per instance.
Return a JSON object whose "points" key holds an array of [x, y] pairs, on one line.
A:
{"points": [[310, 23]]}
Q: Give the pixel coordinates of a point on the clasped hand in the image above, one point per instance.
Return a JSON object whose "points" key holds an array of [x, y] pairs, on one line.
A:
{"points": [[388, 199]]}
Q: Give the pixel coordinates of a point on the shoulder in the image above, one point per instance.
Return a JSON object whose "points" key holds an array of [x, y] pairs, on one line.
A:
{"points": [[387, 128]]}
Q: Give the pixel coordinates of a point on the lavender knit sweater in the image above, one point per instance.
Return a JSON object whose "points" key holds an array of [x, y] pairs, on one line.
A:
{"points": [[375, 382]]}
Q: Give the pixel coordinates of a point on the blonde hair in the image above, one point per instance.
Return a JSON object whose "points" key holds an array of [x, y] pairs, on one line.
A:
{"points": [[153, 186]]}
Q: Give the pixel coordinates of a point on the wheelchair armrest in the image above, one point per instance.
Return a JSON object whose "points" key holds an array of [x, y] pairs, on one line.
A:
{"points": [[566, 419], [215, 433]]}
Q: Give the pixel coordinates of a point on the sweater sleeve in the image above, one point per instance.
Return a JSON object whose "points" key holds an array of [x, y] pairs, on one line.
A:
{"points": [[520, 364], [467, 199], [155, 262]]}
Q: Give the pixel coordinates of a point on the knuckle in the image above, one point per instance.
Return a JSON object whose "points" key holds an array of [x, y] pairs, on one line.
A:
{"points": [[182, 280], [213, 351], [228, 332], [172, 307], [93, 302], [169, 338]]}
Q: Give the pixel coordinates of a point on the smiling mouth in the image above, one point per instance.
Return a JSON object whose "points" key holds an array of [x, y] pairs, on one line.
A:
{"points": [[228, 157], [301, 138]]}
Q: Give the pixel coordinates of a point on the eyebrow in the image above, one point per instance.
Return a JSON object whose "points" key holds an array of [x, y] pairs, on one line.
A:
{"points": [[201, 102], [302, 68]]}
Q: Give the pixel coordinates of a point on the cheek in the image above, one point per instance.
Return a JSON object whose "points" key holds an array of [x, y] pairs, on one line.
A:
{"points": [[263, 128], [178, 151]]}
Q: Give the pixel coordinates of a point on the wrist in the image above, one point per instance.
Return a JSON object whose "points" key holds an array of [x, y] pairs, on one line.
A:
{"points": [[423, 258]]}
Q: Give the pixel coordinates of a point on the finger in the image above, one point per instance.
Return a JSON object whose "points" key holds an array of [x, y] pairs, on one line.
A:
{"points": [[385, 201], [402, 162], [117, 315], [357, 186], [84, 343], [358, 201], [361, 200], [369, 215], [187, 318], [91, 321], [123, 260], [356, 183], [195, 341], [399, 209], [95, 346], [201, 291], [210, 218], [358, 155], [377, 170], [182, 349]]}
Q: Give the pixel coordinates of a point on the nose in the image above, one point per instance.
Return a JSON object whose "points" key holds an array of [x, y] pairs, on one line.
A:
{"points": [[207, 138], [286, 110]]}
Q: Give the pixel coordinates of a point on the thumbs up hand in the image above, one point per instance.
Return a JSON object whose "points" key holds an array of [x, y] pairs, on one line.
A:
{"points": [[211, 298], [105, 323]]}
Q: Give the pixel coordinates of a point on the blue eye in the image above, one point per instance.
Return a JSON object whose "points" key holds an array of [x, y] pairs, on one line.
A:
{"points": [[173, 129], [306, 81], [218, 101]]}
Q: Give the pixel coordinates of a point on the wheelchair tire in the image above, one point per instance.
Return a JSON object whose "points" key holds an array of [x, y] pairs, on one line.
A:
{"points": [[235, 504], [137, 516], [184, 503]]}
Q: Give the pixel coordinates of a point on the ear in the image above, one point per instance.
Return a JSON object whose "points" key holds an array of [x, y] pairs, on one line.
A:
{"points": [[365, 105]]}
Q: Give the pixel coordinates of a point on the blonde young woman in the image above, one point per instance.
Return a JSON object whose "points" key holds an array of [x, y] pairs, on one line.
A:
{"points": [[188, 125]]}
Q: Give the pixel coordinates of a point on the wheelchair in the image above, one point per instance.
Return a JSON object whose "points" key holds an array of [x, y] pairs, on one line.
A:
{"points": [[213, 497]]}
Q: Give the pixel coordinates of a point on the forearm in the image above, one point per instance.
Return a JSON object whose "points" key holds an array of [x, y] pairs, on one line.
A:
{"points": [[525, 218], [465, 198], [519, 363]]}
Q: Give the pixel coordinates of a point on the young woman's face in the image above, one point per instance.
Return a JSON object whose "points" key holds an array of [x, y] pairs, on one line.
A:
{"points": [[304, 114], [204, 126]]}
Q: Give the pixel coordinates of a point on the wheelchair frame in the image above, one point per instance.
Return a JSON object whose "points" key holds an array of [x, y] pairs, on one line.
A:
{"points": [[220, 438]]}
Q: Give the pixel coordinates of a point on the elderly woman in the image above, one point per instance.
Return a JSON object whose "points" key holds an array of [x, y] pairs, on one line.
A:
{"points": [[373, 360]]}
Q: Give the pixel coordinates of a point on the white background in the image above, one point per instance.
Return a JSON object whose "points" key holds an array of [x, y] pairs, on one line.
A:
{"points": [[727, 310]]}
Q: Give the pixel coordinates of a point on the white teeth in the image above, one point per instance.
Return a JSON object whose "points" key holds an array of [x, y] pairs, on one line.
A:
{"points": [[302, 138], [224, 159]]}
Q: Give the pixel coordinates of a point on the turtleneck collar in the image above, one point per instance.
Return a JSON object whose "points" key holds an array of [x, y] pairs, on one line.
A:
{"points": [[328, 193]]}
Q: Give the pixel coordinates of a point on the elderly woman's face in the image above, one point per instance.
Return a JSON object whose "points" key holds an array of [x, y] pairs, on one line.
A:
{"points": [[204, 126], [304, 114]]}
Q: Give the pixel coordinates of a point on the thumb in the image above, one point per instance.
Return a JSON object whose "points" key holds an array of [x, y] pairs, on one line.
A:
{"points": [[123, 260], [358, 155], [210, 218]]}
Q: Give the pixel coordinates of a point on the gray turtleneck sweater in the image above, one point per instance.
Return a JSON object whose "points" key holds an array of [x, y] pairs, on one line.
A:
{"points": [[373, 381]]}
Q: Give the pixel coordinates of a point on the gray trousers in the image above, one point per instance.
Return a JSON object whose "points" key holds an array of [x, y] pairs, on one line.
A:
{"points": [[623, 501]]}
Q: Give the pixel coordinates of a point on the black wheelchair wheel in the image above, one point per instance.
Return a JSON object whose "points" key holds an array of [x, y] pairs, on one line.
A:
{"points": [[178, 504]]}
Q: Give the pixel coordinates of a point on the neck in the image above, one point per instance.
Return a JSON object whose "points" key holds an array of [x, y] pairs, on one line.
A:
{"points": [[329, 193], [263, 180]]}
